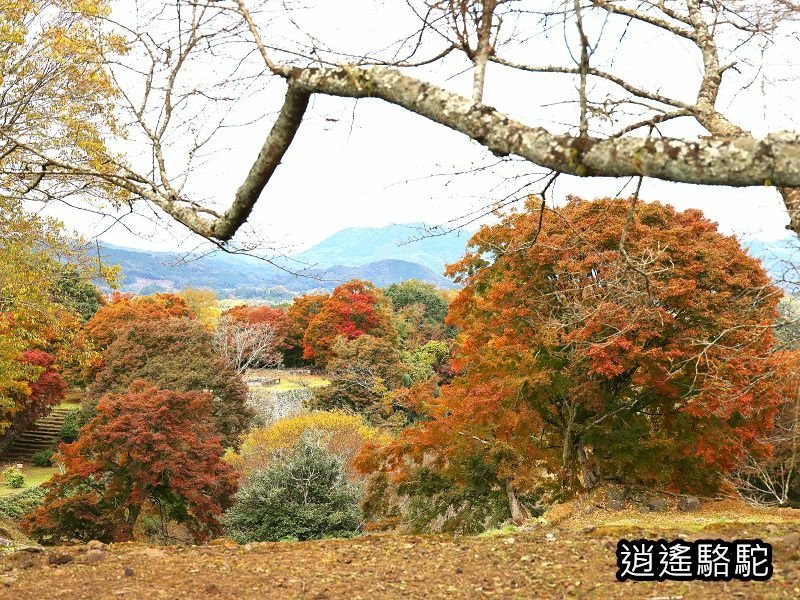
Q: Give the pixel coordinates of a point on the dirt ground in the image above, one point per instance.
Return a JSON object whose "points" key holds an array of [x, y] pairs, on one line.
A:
{"points": [[549, 561]]}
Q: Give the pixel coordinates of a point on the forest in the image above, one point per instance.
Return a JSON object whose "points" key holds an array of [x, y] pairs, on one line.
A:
{"points": [[608, 360]]}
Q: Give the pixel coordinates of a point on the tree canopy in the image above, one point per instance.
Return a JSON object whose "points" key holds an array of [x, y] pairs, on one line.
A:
{"points": [[175, 354], [620, 120], [630, 342], [148, 450]]}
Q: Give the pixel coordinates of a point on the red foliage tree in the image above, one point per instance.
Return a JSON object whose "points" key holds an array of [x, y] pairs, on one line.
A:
{"points": [[149, 451], [354, 308], [597, 345], [260, 314], [174, 354], [44, 390], [124, 308]]}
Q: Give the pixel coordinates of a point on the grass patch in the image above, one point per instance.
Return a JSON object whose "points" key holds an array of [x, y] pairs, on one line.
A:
{"points": [[34, 476], [289, 380], [294, 382]]}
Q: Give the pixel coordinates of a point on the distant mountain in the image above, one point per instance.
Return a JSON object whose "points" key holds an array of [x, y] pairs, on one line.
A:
{"points": [[357, 246], [383, 255], [385, 259]]}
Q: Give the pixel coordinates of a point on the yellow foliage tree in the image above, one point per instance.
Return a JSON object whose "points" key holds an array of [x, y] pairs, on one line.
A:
{"points": [[342, 434], [57, 98], [33, 254], [204, 305]]}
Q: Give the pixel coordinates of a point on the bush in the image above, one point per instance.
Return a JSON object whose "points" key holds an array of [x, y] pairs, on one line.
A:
{"points": [[302, 495], [72, 423], [42, 458], [14, 477], [342, 435], [18, 505]]}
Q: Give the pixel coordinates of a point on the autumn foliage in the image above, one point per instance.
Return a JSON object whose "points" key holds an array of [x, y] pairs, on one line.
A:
{"points": [[341, 434], [299, 315], [147, 452], [354, 308], [174, 354], [580, 362], [34, 398], [125, 309], [260, 315]]}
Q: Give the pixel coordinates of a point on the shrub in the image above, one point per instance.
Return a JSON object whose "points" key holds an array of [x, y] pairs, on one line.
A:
{"points": [[16, 506], [42, 458], [14, 477], [342, 435], [302, 495], [71, 425]]}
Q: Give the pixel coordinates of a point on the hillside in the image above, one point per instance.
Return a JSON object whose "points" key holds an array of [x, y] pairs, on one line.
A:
{"points": [[356, 246], [574, 559]]}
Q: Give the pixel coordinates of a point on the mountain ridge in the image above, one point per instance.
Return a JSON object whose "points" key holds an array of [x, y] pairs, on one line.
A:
{"points": [[383, 255]]}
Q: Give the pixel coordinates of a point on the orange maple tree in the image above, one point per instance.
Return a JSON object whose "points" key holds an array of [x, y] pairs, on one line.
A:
{"points": [[353, 309], [302, 310], [125, 308], [598, 343]]}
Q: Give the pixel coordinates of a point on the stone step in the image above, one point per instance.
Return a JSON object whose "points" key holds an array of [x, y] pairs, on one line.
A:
{"points": [[29, 447], [43, 435]]}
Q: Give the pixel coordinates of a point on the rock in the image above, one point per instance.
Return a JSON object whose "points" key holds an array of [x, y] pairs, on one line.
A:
{"points": [[550, 537], [31, 549], [23, 560], [689, 504], [95, 545], [8, 581], [128, 572], [589, 528], [615, 499], [657, 505], [94, 556], [59, 558], [615, 504], [6, 543], [212, 589]]}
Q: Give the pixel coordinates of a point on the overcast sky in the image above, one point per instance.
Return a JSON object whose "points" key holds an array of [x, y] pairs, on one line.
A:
{"points": [[369, 164]]}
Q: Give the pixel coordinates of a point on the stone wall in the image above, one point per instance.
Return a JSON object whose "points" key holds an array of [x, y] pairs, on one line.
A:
{"points": [[271, 406]]}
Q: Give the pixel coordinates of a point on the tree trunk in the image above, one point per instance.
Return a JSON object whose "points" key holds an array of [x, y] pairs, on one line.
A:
{"points": [[590, 472], [518, 512]]}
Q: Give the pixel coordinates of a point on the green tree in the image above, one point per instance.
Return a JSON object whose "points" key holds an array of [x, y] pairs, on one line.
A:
{"points": [[420, 311], [302, 495], [78, 294]]}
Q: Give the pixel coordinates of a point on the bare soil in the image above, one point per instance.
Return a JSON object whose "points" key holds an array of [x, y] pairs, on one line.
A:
{"points": [[576, 560]]}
